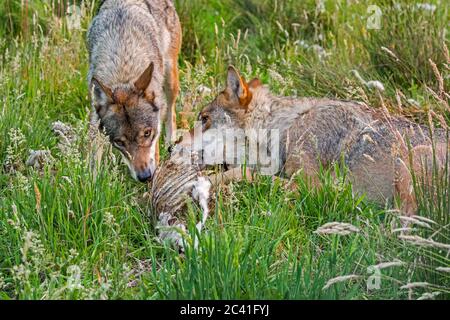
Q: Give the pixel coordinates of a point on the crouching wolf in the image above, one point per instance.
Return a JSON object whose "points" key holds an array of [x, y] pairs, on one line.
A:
{"points": [[133, 77], [314, 133]]}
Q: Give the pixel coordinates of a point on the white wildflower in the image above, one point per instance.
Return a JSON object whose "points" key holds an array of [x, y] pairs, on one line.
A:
{"points": [[203, 90], [302, 43], [21, 273], [320, 51], [74, 278], [13, 159], [426, 7], [73, 253], [110, 220], [21, 183], [32, 247], [64, 131], [276, 76], [375, 84], [372, 84], [267, 213], [67, 141], [14, 224]]}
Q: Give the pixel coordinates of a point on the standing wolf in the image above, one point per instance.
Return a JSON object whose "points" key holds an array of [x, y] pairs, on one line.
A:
{"points": [[379, 150], [133, 77]]}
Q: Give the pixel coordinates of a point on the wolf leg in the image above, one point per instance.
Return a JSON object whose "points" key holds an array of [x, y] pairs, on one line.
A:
{"points": [[172, 87], [302, 162], [423, 167], [157, 153], [404, 188], [96, 144]]}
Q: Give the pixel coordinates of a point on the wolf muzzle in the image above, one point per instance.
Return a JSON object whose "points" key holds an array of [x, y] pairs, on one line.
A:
{"points": [[144, 175]]}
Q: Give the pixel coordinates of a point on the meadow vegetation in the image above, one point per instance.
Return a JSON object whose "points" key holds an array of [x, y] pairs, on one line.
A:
{"points": [[66, 235]]}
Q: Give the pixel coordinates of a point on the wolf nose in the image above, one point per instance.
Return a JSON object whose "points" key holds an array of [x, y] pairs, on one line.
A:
{"points": [[144, 175]]}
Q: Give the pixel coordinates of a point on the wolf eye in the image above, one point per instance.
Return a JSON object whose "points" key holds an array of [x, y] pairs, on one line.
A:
{"points": [[147, 133], [204, 119], [119, 142]]}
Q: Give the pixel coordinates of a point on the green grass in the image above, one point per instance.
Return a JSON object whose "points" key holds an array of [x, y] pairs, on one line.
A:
{"points": [[65, 235]]}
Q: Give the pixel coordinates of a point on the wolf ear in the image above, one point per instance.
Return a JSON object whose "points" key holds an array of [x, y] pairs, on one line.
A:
{"points": [[144, 80], [236, 84], [101, 94]]}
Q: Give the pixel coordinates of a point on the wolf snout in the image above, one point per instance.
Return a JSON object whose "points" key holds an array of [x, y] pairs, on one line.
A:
{"points": [[145, 175], [144, 165]]}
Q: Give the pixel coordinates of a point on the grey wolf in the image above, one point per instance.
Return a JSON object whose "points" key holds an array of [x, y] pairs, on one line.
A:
{"points": [[133, 77], [318, 132]]}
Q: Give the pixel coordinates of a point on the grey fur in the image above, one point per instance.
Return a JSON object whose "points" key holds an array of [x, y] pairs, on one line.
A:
{"points": [[124, 39], [375, 146]]}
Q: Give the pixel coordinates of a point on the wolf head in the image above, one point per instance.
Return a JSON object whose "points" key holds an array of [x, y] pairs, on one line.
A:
{"points": [[222, 122], [130, 118], [229, 108]]}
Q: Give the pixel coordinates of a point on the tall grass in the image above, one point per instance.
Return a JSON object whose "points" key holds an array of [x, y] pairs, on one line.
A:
{"points": [[64, 234]]}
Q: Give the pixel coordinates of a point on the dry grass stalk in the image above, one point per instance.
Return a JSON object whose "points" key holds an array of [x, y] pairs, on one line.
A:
{"points": [[419, 241], [392, 54], [429, 295], [446, 53], [403, 230], [340, 279], [439, 78], [37, 194], [415, 221], [428, 220], [385, 265], [339, 228], [413, 285]]}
